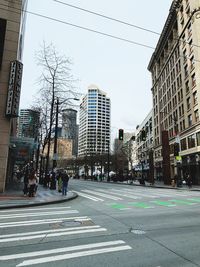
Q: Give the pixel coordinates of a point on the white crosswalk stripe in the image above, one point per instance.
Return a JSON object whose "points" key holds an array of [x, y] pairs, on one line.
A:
{"points": [[52, 233], [73, 255], [19, 215], [62, 229], [102, 194], [43, 221], [88, 196]]}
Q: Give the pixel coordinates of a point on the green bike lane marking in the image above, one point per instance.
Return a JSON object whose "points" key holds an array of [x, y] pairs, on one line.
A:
{"points": [[194, 199], [163, 203], [140, 205], [152, 204], [184, 202]]}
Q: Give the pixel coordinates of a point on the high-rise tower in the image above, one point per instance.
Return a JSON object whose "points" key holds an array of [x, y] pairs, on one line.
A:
{"points": [[94, 128]]}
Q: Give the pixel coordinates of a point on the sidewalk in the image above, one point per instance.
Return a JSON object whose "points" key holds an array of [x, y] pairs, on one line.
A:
{"points": [[15, 199]]}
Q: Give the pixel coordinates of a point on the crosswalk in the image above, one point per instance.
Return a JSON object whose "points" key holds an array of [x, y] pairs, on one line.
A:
{"points": [[46, 225], [141, 198]]}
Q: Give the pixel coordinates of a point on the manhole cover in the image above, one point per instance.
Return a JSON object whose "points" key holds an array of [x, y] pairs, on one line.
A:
{"points": [[138, 232]]}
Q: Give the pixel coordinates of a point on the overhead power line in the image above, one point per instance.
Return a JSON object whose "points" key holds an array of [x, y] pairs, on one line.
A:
{"points": [[107, 17], [84, 28], [120, 21]]}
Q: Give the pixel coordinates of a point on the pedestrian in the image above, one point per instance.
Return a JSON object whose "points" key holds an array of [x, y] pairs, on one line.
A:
{"points": [[59, 178], [189, 180], [65, 180], [32, 182], [53, 180], [26, 173]]}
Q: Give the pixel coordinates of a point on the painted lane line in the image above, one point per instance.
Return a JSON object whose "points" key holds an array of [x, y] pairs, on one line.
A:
{"points": [[102, 195], [44, 221], [128, 194], [49, 231], [124, 195], [182, 202], [88, 196], [142, 195], [52, 235], [60, 250], [73, 255], [18, 215], [28, 209]]}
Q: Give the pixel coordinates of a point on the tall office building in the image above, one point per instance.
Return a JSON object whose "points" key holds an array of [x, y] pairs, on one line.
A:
{"points": [[94, 127], [175, 69], [12, 19], [29, 123], [70, 128]]}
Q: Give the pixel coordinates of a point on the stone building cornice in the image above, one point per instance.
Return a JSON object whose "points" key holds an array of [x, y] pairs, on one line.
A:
{"points": [[165, 32]]}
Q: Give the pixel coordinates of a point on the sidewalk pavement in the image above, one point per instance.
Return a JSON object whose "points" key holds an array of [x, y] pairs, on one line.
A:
{"points": [[44, 196]]}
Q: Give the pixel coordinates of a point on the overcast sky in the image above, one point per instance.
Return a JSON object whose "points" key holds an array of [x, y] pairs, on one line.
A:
{"points": [[116, 67]]}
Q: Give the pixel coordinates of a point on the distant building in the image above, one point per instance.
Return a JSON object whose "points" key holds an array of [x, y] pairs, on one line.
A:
{"points": [[94, 126], [70, 128], [29, 123], [144, 145]]}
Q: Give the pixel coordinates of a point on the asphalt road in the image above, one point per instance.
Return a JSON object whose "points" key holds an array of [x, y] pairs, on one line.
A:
{"points": [[107, 225]]}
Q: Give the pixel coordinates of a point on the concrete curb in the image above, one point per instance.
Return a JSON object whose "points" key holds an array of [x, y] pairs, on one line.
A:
{"points": [[40, 203]]}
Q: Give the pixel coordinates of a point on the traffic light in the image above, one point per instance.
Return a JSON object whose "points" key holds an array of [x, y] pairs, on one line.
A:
{"points": [[121, 134], [176, 149]]}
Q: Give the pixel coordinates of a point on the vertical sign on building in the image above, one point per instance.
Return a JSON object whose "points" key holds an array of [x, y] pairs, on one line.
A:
{"points": [[14, 89], [2, 38]]}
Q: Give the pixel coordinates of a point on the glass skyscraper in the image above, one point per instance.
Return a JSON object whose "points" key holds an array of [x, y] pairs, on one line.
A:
{"points": [[94, 128]]}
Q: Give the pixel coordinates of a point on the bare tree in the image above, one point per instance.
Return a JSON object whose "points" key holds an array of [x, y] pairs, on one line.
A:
{"points": [[56, 82]]}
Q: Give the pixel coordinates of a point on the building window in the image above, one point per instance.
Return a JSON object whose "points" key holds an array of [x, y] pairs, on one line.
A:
{"points": [[195, 98], [192, 63], [189, 120], [184, 56], [187, 88], [198, 138], [191, 141], [188, 103], [186, 70], [190, 46], [196, 115], [183, 144], [193, 80]]}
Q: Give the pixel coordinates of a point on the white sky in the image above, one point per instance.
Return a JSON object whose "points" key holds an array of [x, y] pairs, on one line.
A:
{"points": [[116, 67]]}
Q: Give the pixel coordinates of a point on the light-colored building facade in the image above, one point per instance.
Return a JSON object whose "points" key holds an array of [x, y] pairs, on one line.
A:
{"points": [[11, 45], [144, 144], [175, 69], [94, 126]]}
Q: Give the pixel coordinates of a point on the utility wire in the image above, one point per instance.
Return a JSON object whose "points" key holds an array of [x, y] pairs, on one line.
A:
{"points": [[119, 21], [107, 17], [84, 28]]}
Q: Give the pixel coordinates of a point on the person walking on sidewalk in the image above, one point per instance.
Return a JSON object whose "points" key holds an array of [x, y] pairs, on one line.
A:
{"points": [[65, 180], [189, 180], [32, 182]]}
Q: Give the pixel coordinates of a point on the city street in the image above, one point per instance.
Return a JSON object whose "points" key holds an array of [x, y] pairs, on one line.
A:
{"points": [[107, 225]]}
